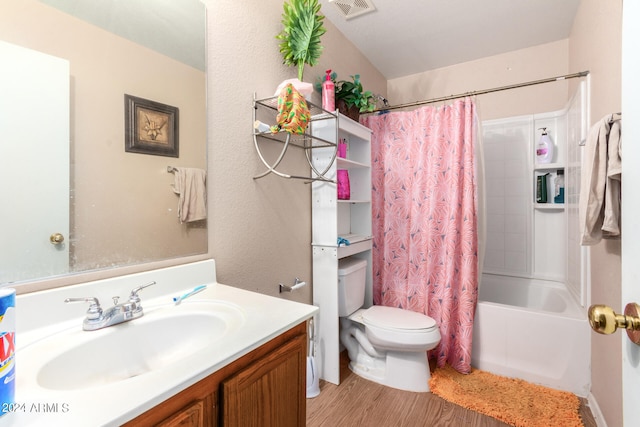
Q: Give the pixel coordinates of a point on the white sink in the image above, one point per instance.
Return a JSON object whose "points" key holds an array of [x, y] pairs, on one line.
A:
{"points": [[165, 336]]}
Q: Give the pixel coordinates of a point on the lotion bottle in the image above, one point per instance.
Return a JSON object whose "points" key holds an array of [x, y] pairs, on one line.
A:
{"points": [[328, 93], [544, 148]]}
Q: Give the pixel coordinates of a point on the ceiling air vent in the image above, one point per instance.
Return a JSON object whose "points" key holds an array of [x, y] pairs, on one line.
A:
{"points": [[352, 8]]}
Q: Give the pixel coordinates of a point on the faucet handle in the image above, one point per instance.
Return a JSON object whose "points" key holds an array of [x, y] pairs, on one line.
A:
{"points": [[134, 293], [94, 312]]}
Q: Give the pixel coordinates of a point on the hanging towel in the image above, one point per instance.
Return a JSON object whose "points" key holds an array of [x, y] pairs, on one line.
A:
{"points": [[600, 182], [190, 185], [293, 111], [612, 194]]}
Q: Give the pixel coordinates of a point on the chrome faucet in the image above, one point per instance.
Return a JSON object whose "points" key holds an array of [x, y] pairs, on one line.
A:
{"points": [[119, 313]]}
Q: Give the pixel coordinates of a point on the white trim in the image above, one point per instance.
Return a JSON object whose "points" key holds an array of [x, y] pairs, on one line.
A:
{"points": [[595, 411]]}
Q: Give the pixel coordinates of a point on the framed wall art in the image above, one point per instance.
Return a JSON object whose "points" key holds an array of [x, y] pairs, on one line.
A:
{"points": [[150, 127]]}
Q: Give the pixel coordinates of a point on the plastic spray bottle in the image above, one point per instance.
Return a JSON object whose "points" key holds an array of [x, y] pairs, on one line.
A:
{"points": [[328, 93]]}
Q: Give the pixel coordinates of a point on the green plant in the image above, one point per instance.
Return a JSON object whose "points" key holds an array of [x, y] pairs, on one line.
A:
{"points": [[352, 93], [300, 36]]}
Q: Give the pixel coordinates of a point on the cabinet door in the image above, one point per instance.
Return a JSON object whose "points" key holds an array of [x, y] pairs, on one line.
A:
{"points": [[191, 416], [271, 391], [201, 413]]}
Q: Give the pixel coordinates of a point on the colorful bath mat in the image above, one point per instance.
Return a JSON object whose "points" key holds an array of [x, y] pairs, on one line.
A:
{"points": [[512, 401]]}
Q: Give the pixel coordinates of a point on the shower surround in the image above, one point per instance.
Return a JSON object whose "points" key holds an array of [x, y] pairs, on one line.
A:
{"points": [[531, 319]]}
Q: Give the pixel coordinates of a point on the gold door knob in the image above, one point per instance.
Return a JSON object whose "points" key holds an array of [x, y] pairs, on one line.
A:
{"points": [[56, 238], [605, 321]]}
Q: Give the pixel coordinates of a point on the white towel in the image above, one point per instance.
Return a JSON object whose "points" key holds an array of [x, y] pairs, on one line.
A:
{"points": [[190, 185], [600, 182]]}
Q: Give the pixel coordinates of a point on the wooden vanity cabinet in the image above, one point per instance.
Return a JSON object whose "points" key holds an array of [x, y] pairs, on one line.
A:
{"points": [[268, 392], [266, 387]]}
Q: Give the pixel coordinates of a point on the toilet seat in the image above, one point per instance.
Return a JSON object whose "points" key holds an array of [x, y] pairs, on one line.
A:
{"points": [[396, 329], [392, 318]]}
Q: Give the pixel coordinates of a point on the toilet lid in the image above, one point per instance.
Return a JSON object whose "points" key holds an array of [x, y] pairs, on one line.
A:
{"points": [[396, 318]]}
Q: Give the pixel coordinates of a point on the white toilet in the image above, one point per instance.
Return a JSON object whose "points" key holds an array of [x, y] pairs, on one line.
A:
{"points": [[386, 345]]}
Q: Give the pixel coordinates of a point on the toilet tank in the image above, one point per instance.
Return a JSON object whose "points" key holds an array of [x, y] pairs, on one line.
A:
{"points": [[352, 274]]}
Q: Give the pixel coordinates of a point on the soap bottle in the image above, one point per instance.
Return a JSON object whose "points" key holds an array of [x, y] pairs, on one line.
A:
{"points": [[342, 148], [544, 148], [328, 93]]}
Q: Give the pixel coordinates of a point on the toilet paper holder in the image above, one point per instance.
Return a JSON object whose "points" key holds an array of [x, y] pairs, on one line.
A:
{"points": [[297, 284]]}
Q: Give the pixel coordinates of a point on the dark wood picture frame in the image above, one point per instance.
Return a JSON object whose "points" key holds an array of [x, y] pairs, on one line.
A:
{"points": [[150, 127]]}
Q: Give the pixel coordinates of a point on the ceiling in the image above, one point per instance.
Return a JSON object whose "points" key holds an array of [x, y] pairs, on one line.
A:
{"points": [[403, 37]]}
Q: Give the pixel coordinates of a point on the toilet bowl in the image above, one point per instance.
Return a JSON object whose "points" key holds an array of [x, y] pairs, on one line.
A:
{"points": [[389, 346], [386, 345]]}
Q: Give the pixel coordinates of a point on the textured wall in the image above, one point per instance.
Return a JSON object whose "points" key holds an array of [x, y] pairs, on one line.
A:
{"points": [[260, 230], [538, 62], [595, 44]]}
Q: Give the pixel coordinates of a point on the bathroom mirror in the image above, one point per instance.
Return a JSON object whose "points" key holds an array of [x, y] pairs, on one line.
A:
{"points": [[76, 200]]}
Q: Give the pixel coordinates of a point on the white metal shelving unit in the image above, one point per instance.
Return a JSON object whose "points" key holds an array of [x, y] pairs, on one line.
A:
{"points": [[333, 218], [267, 143]]}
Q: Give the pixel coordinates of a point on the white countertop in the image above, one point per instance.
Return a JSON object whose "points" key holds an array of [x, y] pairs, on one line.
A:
{"points": [[112, 404]]}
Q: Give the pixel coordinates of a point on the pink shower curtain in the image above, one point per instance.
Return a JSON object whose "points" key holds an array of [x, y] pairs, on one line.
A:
{"points": [[425, 249]]}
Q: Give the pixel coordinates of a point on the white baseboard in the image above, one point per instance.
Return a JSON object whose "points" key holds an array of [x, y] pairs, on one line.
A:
{"points": [[595, 411]]}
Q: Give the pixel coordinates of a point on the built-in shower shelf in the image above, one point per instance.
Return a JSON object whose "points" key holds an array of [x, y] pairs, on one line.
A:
{"points": [[549, 206], [548, 166], [552, 170]]}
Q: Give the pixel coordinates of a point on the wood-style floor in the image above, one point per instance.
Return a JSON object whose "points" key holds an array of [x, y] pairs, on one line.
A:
{"points": [[359, 402]]}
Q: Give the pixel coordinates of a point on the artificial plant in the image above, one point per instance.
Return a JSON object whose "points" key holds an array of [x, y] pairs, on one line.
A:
{"points": [[300, 36]]}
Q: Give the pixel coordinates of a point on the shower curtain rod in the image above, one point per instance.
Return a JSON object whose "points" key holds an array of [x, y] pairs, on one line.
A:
{"points": [[484, 91]]}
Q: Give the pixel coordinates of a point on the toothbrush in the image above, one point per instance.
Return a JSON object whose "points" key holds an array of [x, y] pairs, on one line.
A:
{"points": [[179, 299]]}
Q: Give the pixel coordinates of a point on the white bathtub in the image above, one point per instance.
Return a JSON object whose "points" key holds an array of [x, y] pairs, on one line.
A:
{"points": [[533, 330]]}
